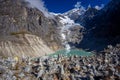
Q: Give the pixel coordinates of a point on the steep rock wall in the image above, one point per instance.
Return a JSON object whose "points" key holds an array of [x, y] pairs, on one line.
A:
{"points": [[18, 20]]}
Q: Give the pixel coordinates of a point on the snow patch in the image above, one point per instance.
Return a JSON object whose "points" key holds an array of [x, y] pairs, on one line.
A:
{"points": [[66, 20], [99, 7], [65, 33]]}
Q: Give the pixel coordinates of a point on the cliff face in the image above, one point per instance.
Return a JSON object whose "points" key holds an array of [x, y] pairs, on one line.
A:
{"points": [[29, 45], [86, 17], [103, 28], [25, 30]]}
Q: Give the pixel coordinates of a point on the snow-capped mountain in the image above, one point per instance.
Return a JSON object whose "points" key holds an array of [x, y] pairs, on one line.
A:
{"points": [[102, 26], [75, 13], [23, 27], [72, 23], [81, 15], [85, 18]]}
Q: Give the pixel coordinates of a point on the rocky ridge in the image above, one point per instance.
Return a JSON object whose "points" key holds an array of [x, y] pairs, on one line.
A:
{"points": [[101, 26]]}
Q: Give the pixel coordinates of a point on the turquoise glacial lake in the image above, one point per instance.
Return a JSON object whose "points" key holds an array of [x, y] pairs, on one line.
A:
{"points": [[72, 53]]}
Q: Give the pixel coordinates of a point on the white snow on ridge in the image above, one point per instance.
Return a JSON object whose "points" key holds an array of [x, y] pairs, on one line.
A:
{"points": [[99, 7], [55, 14], [66, 20], [75, 12]]}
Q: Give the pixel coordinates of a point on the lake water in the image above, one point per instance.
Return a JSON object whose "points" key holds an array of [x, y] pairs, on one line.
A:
{"points": [[73, 52]]}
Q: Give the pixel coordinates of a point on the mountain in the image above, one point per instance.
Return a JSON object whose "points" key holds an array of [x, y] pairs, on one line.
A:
{"points": [[87, 16], [75, 13], [26, 31], [102, 26]]}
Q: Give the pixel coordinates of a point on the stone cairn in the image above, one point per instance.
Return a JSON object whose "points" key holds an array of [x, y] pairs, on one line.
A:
{"points": [[102, 66]]}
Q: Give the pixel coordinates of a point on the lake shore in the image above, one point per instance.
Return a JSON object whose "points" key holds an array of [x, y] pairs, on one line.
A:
{"points": [[105, 66]]}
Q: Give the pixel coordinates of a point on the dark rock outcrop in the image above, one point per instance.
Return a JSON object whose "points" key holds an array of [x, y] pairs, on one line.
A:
{"points": [[103, 28], [86, 17]]}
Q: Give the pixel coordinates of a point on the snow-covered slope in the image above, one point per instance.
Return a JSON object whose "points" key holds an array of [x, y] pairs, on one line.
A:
{"points": [[75, 13], [66, 20], [69, 30]]}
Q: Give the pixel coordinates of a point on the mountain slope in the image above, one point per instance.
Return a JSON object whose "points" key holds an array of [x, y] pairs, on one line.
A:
{"points": [[103, 28], [24, 28]]}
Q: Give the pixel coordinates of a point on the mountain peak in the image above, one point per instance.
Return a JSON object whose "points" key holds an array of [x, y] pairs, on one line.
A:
{"points": [[78, 11]]}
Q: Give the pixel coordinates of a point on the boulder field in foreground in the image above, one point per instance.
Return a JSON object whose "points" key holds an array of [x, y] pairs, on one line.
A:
{"points": [[103, 66]]}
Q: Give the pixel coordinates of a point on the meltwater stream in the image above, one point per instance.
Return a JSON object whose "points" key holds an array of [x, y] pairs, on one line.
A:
{"points": [[65, 32], [64, 39]]}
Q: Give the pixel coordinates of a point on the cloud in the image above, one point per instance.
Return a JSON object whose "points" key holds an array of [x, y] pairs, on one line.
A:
{"points": [[77, 5], [39, 4], [99, 7]]}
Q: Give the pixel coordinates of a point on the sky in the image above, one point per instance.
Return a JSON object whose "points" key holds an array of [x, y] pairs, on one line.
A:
{"points": [[61, 6]]}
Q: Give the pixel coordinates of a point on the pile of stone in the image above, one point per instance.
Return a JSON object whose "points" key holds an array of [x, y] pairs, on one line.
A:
{"points": [[102, 66]]}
